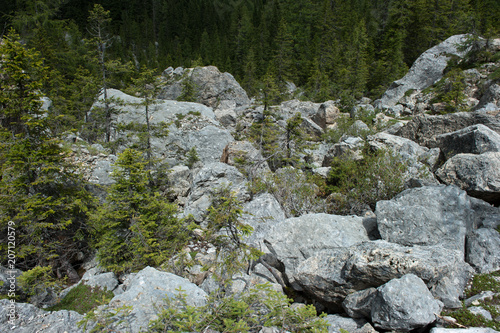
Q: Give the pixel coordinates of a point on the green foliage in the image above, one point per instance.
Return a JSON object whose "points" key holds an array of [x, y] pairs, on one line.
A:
{"points": [[82, 299], [135, 227], [189, 91], [296, 192], [41, 191], [482, 282], [360, 183], [450, 90], [105, 319], [249, 312], [36, 279], [192, 157], [225, 230]]}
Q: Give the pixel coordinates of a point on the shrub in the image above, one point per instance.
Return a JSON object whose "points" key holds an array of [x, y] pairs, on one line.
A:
{"points": [[82, 299], [360, 183], [192, 158], [249, 312], [37, 279]]}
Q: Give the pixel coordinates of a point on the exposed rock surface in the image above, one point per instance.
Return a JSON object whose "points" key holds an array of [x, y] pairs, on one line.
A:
{"points": [[244, 154], [146, 292], [339, 324], [331, 275], [404, 304], [359, 303], [483, 250], [428, 215], [479, 175], [425, 71], [29, 319]]}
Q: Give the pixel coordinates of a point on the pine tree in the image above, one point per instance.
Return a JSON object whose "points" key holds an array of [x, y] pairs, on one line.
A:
{"points": [[135, 227], [41, 191]]}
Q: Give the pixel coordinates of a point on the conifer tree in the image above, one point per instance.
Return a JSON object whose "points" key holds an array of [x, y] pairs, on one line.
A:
{"points": [[41, 192], [135, 227]]}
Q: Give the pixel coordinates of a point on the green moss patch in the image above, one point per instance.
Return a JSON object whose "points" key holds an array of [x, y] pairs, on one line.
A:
{"points": [[82, 299]]}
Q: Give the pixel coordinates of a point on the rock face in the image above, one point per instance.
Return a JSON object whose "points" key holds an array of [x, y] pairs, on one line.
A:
{"points": [[404, 304], [423, 129], [428, 215], [211, 86], [330, 275], [31, 319], [479, 175], [425, 71], [476, 139], [245, 154], [147, 290], [483, 250]]}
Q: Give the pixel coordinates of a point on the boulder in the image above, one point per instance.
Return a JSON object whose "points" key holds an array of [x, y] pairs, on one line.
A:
{"points": [[307, 109], [463, 330], [244, 155], [339, 324], [429, 215], [211, 86], [476, 139], [104, 281], [404, 304], [424, 128], [485, 215], [179, 180], [425, 71], [29, 319], [483, 250], [226, 114], [479, 175], [146, 293], [295, 239], [359, 303], [209, 178], [330, 275], [490, 99]]}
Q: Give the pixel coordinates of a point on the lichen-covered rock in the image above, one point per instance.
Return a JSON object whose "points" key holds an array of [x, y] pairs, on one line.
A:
{"points": [[404, 304], [479, 175], [483, 250], [429, 215]]}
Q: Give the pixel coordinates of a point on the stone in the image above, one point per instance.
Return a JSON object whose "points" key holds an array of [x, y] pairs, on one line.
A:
{"points": [[475, 139], [330, 275], [483, 250], [463, 330], [359, 303], [477, 310], [425, 71], [479, 175], [29, 319], [429, 215], [179, 180], [226, 114], [339, 324], [482, 296], [490, 98], [485, 215], [146, 293], [244, 155], [104, 281], [404, 304], [211, 177], [423, 129]]}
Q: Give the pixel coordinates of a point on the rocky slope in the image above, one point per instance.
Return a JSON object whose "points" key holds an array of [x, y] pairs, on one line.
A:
{"points": [[393, 268]]}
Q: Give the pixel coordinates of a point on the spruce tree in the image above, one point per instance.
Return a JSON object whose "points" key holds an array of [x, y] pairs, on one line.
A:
{"points": [[41, 192]]}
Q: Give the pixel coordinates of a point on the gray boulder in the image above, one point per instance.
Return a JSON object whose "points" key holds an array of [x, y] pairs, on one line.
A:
{"points": [[339, 324], [211, 86], [429, 215], [476, 139], [146, 293], [483, 250], [479, 175], [104, 281], [491, 99], [209, 178], [425, 71], [359, 303], [295, 239], [423, 129], [28, 319], [485, 215], [244, 155], [463, 330], [179, 180], [404, 304], [330, 275]]}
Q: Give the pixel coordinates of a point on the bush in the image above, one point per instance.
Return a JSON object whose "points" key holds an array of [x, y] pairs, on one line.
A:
{"points": [[361, 183], [36, 280], [249, 312], [82, 299]]}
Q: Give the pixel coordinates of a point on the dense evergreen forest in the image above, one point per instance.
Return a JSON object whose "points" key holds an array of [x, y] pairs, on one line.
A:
{"points": [[329, 48]]}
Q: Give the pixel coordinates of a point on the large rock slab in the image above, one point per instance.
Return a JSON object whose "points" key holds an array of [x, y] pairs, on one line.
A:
{"points": [[429, 215], [244, 155], [330, 275], [476, 139], [404, 304], [339, 324], [423, 129], [425, 71], [147, 291], [295, 239], [211, 86], [211, 177], [479, 175], [29, 319]]}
